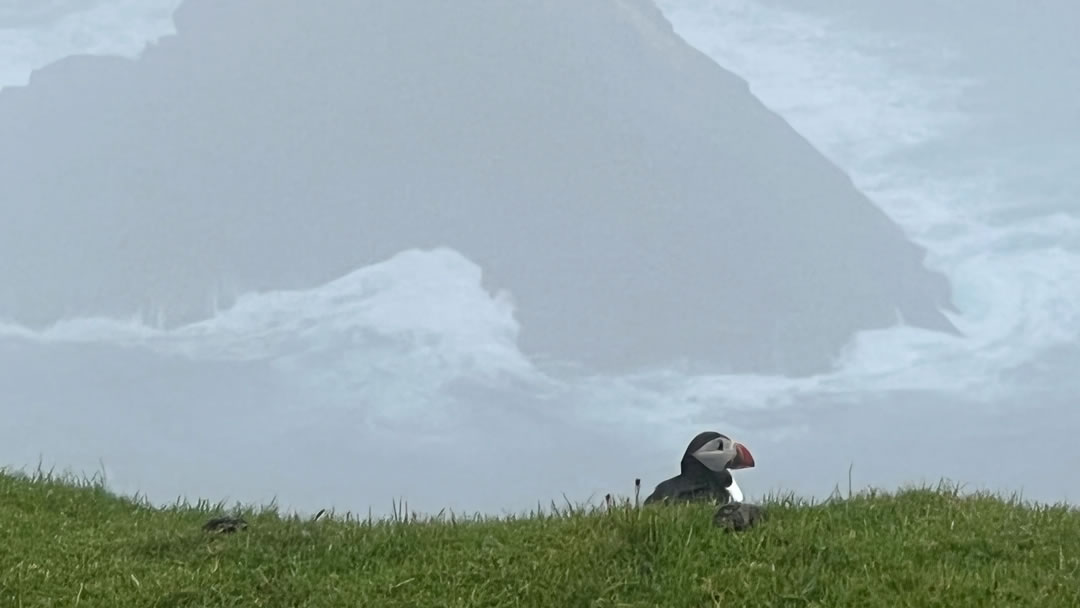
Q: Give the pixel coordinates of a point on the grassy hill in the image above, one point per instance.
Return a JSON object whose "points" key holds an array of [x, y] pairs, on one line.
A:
{"points": [[71, 543]]}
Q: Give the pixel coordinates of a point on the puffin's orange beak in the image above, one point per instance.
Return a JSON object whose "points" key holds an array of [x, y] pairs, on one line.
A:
{"points": [[743, 458]]}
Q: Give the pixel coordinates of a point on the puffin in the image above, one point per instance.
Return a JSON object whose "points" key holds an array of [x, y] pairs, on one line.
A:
{"points": [[706, 471]]}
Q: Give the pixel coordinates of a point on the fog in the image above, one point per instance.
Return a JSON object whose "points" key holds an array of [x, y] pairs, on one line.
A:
{"points": [[522, 252]]}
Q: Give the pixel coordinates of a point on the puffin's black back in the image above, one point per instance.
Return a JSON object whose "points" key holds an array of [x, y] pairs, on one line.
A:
{"points": [[713, 486]]}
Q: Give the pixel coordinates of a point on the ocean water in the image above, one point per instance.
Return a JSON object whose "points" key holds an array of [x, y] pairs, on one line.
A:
{"points": [[401, 380]]}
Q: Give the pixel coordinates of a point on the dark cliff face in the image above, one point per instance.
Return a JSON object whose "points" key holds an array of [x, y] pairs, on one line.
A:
{"points": [[640, 204]]}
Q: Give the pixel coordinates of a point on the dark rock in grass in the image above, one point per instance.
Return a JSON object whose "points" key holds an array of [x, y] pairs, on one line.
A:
{"points": [[225, 525], [738, 516]]}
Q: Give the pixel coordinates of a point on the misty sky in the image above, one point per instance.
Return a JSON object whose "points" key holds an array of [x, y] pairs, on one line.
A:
{"points": [[397, 316]]}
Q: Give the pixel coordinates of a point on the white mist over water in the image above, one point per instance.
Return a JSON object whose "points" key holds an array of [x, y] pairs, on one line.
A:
{"points": [[889, 110], [34, 33], [402, 379]]}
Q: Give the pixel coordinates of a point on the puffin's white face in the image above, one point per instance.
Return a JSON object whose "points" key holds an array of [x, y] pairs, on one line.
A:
{"points": [[723, 453]]}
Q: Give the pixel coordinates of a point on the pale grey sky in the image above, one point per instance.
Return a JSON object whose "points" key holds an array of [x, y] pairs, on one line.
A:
{"points": [[631, 195]]}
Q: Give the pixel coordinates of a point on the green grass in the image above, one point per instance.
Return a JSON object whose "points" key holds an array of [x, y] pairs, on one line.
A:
{"points": [[71, 543]]}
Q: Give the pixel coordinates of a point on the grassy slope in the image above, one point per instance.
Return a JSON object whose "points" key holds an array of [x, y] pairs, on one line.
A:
{"points": [[63, 545]]}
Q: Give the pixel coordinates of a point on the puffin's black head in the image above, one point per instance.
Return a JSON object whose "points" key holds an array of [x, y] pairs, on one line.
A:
{"points": [[715, 452]]}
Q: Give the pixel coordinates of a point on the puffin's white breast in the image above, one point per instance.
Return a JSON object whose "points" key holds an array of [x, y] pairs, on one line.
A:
{"points": [[735, 491]]}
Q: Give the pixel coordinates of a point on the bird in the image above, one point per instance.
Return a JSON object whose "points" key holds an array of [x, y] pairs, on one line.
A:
{"points": [[706, 471]]}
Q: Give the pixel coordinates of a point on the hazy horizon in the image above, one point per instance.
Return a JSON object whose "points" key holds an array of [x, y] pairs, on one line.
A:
{"points": [[405, 377]]}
